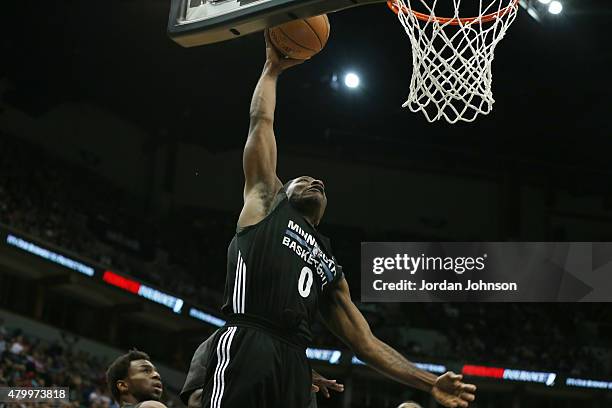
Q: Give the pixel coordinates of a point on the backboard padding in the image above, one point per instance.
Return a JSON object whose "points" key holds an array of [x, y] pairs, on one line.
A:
{"points": [[193, 22]]}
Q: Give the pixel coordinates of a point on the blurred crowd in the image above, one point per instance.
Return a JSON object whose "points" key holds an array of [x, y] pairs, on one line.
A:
{"points": [[80, 212], [544, 336], [184, 252], [27, 361], [572, 339]]}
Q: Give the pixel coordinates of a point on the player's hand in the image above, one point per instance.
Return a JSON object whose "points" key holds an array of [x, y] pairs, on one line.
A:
{"points": [[276, 61], [322, 384], [451, 392]]}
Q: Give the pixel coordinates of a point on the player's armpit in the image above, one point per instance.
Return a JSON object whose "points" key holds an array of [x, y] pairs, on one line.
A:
{"points": [[258, 203]]}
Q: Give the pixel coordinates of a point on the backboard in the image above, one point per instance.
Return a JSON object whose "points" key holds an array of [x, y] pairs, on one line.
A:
{"points": [[198, 22]]}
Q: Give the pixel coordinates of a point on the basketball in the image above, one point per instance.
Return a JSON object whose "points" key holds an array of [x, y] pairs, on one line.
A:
{"points": [[301, 39]]}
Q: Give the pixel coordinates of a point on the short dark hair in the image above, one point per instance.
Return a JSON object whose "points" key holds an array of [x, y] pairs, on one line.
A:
{"points": [[118, 369]]}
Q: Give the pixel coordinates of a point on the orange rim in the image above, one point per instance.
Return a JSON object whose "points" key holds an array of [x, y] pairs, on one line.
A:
{"points": [[452, 20]]}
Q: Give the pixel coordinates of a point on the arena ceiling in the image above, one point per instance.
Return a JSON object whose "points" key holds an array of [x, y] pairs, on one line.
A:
{"points": [[550, 83]]}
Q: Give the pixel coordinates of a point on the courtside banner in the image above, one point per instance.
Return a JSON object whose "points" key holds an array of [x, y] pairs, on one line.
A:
{"points": [[486, 271]]}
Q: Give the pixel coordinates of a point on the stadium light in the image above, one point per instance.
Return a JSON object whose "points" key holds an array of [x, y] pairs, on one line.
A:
{"points": [[351, 80], [539, 10], [555, 7]]}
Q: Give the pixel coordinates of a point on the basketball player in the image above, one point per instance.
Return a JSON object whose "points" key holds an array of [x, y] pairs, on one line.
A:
{"points": [[281, 273], [134, 381]]}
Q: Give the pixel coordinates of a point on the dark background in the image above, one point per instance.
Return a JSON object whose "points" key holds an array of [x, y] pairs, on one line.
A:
{"points": [[550, 80], [536, 168]]}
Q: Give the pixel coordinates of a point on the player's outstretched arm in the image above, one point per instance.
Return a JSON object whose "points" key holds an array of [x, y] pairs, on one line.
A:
{"points": [[259, 157], [346, 321]]}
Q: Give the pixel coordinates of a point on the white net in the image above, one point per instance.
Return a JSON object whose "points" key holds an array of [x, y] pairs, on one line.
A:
{"points": [[452, 56]]}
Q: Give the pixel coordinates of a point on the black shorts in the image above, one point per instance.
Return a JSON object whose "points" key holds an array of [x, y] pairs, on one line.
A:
{"points": [[250, 368]]}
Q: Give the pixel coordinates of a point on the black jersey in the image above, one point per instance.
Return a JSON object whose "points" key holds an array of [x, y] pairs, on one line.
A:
{"points": [[277, 270]]}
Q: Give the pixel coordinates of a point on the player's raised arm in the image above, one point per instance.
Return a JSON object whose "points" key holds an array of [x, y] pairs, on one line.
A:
{"points": [[259, 158], [346, 321]]}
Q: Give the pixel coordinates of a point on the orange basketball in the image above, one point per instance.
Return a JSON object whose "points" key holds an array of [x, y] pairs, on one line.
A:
{"points": [[301, 39]]}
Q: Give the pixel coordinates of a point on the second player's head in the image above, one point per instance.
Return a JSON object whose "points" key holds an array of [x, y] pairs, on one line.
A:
{"points": [[307, 195], [133, 378], [409, 404]]}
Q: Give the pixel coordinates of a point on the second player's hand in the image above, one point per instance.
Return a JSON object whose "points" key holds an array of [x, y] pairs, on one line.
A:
{"points": [[275, 61], [451, 392], [323, 385]]}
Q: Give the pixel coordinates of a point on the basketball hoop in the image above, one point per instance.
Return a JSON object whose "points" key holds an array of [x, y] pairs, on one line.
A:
{"points": [[452, 56]]}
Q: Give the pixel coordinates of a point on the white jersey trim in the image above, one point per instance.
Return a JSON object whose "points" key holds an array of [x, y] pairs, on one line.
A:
{"points": [[238, 298]]}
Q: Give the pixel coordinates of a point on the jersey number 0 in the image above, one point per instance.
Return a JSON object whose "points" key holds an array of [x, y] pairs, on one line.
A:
{"points": [[305, 282]]}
